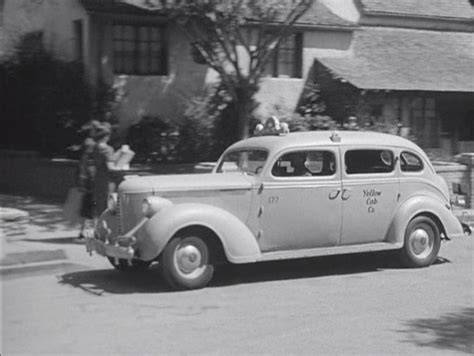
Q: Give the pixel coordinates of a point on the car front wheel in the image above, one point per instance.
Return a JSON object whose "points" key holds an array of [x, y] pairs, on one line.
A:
{"points": [[186, 262], [422, 243]]}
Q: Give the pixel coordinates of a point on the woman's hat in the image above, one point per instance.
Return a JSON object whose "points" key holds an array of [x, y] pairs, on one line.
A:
{"points": [[102, 129]]}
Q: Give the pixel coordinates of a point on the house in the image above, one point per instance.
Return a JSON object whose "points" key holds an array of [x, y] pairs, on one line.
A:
{"points": [[408, 61], [130, 44], [412, 62]]}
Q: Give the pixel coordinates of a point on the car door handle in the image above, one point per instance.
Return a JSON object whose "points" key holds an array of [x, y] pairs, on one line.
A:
{"points": [[346, 194], [333, 194]]}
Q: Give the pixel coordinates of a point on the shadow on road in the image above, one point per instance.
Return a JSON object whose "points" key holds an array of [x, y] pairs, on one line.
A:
{"points": [[452, 331], [98, 282], [111, 281]]}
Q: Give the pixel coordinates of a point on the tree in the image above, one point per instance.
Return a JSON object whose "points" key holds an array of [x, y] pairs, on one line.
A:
{"points": [[236, 38]]}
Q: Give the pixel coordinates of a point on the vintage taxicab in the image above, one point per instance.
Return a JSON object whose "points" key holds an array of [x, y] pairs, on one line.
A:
{"points": [[276, 197]]}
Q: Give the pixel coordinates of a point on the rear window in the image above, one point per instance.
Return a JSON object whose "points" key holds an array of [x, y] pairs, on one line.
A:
{"points": [[369, 161], [410, 162]]}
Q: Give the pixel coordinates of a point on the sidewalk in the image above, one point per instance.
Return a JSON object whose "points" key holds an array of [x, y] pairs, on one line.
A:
{"points": [[35, 236]]}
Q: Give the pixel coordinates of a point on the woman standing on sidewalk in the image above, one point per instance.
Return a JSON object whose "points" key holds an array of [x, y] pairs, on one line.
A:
{"points": [[85, 177], [104, 160]]}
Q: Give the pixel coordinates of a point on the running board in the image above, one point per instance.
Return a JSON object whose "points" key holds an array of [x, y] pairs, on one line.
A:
{"points": [[328, 251]]}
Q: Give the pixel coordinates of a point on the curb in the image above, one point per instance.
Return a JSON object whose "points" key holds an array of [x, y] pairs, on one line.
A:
{"points": [[31, 257], [32, 269], [12, 214]]}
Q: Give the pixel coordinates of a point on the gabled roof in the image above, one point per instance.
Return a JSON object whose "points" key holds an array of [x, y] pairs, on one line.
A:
{"points": [[122, 6], [402, 59], [317, 15], [460, 9]]}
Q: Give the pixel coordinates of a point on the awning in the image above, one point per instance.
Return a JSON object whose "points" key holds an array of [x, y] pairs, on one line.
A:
{"points": [[403, 59]]}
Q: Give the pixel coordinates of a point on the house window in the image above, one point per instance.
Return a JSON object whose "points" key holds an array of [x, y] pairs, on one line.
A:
{"points": [[286, 60], [139, 50]]}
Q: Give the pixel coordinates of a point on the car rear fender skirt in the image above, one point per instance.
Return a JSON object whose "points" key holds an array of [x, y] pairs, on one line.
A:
{"points": [[430, 207], [240, 245]]}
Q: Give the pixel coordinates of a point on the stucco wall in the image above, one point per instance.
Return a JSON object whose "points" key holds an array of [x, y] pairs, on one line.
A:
{"points": [[454, 173], [59, 29], [20, 17], [53, 17], [163, 96], [285, 93], [166, 96], [27, 173]]}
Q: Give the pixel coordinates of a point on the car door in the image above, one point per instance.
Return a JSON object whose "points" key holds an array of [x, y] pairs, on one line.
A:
{"points": [[370, 193], [300, 201]]}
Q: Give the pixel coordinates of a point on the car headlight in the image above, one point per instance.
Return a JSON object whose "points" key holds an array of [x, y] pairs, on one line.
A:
{"points": [[112, 203], [146, 208], [151, 205]]}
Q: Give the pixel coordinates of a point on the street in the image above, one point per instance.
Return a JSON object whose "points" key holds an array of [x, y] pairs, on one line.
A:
{"points": [[355, 304]]}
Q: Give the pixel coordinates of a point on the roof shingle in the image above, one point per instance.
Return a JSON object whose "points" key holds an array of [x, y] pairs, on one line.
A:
{"points": [[319, 14], [401, 59], [461, 9]]}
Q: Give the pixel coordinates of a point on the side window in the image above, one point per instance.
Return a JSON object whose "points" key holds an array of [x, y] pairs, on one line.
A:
{"points": [[409, 162], [369, 161], [305, 164]]}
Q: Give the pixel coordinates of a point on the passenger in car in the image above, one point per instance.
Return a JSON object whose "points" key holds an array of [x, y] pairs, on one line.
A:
{"points": [[298, 162], [320, 163]]}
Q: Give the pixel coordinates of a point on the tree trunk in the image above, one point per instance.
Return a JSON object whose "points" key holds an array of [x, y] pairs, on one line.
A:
{"points": [[243, 121], [245, 107]]}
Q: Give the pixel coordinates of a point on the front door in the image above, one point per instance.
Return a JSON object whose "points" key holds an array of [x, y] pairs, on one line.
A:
{"points": [[300, 201], [370, 193]]}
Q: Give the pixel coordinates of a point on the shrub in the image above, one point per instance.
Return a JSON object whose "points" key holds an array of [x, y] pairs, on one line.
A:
{"points": [[45, 101], [297, 122], [153, 140], [208, 126], [309, 115]]}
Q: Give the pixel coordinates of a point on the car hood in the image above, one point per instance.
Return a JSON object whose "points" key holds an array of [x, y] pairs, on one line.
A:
{"points": [[186, 182]]}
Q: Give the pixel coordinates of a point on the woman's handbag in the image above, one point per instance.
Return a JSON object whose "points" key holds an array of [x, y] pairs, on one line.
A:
{"points": [[73, 205]]}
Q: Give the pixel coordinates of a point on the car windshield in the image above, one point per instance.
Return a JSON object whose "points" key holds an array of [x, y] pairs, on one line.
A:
{"points": [[249, 161]]}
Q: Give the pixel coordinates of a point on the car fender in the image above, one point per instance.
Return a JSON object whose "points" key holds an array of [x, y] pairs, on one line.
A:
{"points": [[240, 245], [423, 204]]}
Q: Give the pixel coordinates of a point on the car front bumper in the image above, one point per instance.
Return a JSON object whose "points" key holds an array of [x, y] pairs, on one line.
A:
{"points": [[104, 248], [107, 241]]}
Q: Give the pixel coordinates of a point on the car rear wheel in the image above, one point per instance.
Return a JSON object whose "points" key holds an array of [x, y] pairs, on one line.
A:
{"points": [[123, 266], [422, 243], [186, 262]]}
